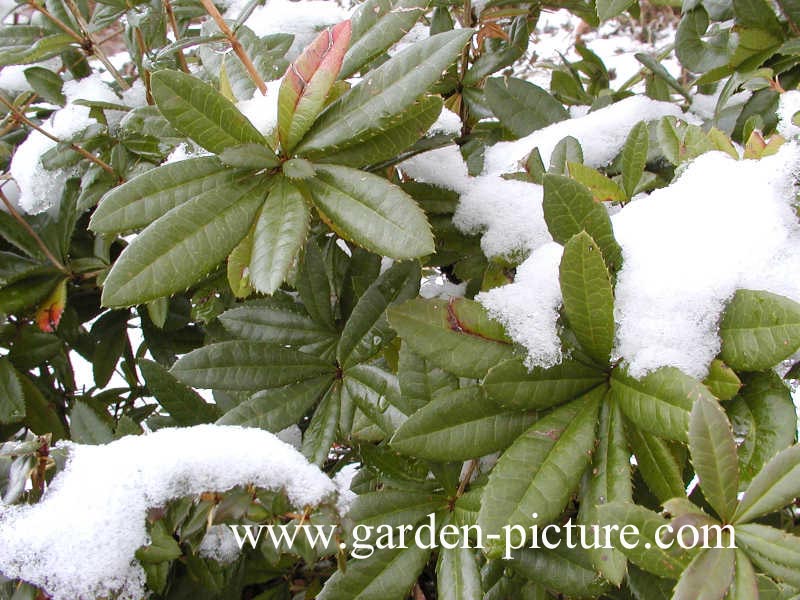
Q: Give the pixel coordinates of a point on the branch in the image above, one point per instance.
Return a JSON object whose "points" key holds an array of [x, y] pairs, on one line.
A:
{"points": [[42, 246], [57, 22], [94, 47], [174, 24], [236, 45]]}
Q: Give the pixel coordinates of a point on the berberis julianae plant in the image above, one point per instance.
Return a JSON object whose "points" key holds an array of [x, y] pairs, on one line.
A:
{"points": [[470, 303]]}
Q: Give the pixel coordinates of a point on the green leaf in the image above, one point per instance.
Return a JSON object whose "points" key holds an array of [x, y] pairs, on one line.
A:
{"points": [[758, 330], [607, 9], [764, 415], [47, 84], [542, 468], [708, 576], [522, 107], [419, 380], [247, 366], [324, 425], [377, 384], [459, 425], [39, 50], [588, 296], [249, 156], [308, 82], [183, 404], [385, 575], [567, 150], [512, 385], [393, 507], [757, 14], [275, 322], [457, 335], [377, 25], [367, 329], [279, 234], [659, 402], [722, 380], [371, 212], [603, 189], [775, 486], [646, 553], [278, 408], [569, 208], [634, 157], [162, 547], [12, 398], [143, 199], [314, 287], [657, 464], [457, 574], [696, 51], [608, 479], [199, 111], [41, 415], [773, 551], [568, 570], [87, 427], [384, 92], [397, 135], [744, 585], [182, 246], [714, 458]]}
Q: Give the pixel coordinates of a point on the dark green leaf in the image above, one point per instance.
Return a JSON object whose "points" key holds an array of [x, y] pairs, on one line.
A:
{"points": [[183, 404], [522, 107]]}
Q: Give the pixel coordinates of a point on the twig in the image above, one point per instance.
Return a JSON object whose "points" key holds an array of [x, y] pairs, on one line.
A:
{"points": [[173, 22], [236, 45], [473, 464], [39, 242], [145, 73], [93, 46], [463, 109], [82, 151], [57, 22]]}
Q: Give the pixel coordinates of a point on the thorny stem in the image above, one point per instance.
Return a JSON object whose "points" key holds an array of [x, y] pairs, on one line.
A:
{"points": [[174, 24], [236, 45], [94, 47], [45, 250], [82, 151]]}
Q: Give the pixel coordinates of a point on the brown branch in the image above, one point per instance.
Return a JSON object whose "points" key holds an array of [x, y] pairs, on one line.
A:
{"points": [[39, 242], [80, 150], [236, 45], [57, 22], [93, 47], [173, 22], [145, 73], [473, 464]]}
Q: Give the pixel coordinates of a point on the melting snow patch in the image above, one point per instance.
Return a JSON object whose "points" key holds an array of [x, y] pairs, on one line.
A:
{"points": [[789, 106], [107, 490]]}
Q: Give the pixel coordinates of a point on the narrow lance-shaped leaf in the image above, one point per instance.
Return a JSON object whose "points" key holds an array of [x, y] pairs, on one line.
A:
{"points": [[568, 570], [377, 24], [87, 427], [183, 404], [419, 380], [512, 385], [521, 106], [775, 486], [199, 111], [744, 585], [182, 246], [634, 157], [324, 425], [459, 425], [279, 234], [247, 366], [708, 577], [275, 322], [457, 336], [713, 452], [12, 399], [775, 552], [457, 574], [656, 464], [371, 212], [308, 81], [385, 92], [588, 296], [540, 470], [608, 479]]}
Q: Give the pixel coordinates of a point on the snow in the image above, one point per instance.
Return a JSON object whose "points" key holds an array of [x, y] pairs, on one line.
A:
{"points": [[601, 133], [41, 189], [302, 19], [448, 123], [262, 110], [722, 225], [788, 105], [219, 544], [528, 308], [107, 490]]}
